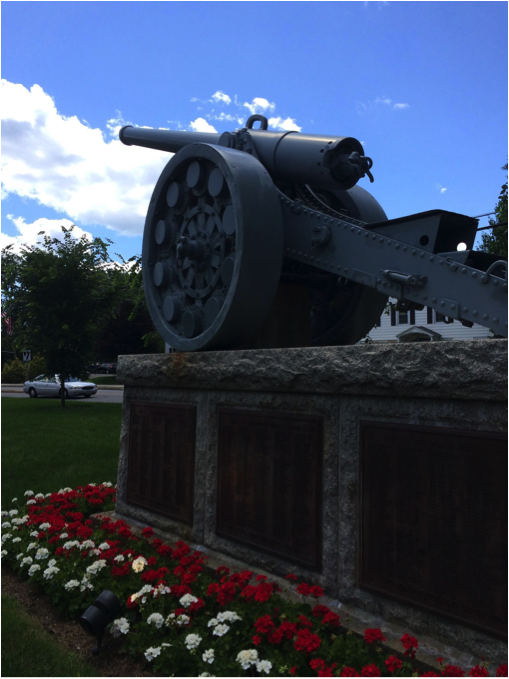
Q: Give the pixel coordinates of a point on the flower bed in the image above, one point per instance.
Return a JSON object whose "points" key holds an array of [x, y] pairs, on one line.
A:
{"points": [[185, 620]]}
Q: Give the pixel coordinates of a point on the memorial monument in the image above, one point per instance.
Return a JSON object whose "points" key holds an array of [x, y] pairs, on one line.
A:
{"points": [[379, 472]]}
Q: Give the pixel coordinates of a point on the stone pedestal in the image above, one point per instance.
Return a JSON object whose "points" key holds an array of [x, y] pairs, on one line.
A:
{"points": [[309, 426]]}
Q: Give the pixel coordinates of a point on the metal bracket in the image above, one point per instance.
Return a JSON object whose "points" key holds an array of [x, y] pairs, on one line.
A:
{"points": [[411, 279], [321, 235]]}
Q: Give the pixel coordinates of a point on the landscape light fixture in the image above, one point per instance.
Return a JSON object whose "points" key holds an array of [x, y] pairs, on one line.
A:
{"points": [[103, 611]]}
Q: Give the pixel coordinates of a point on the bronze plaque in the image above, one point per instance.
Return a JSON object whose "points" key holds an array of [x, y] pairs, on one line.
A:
{"points": [[270, 483], [433, 519], [160, 474]]}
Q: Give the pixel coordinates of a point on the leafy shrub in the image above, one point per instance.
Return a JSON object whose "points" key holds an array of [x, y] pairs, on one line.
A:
{"points": [[15, 371]]}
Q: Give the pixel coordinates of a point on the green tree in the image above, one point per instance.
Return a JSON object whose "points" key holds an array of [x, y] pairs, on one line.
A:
{"points": [[495, 241], [59, 293]]}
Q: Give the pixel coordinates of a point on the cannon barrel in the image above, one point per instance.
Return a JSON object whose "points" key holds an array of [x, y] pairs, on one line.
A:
{"points": [[164, 140], [319, 160]]}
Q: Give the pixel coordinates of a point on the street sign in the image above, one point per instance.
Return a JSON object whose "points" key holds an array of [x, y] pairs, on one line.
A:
{"points": [[27, 355]]}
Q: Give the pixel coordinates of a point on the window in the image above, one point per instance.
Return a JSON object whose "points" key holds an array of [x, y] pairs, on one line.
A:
{"points": [[434, 317], [402, 317]]}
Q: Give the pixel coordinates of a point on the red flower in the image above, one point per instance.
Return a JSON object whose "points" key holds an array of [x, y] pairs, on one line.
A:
{"points": [[293, 670], [259, 578], [196, 605], [213, 588], [291, 576], [151, 561], [120, 571], [501, 671], [226, 593], [478, 671], [393, 663], [264, 624], [275, 637], [349, 672], [430, 674], [331, 618], [317, 664], [222, 569], [320, 610], [150, 576], [130, 603], [288, 629], [147, 532], [124, 532], [157, 543], [409, 644], [164, 550], [373, 636], [370, 671], [452, 671], [316, 591], [303, 589], [256, 640], [306, 641], [304, 621]]}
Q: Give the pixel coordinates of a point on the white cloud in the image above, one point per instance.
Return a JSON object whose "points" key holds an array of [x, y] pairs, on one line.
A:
{"points": [[400, 106], [221, 97], [201, 125], [287, 125], [440, 188], [260, 105], [383, 100], [66, 165], [28, 234]]}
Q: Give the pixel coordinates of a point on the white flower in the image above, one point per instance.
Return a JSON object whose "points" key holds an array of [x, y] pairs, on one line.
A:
{"points": [[33, 569], [119, 557], [192, 641], [17, 540], [220, 630], [152, 653], [48, 495], [41, 553], [160, 590], [247, 658], [107, 484], [96, 566], [6, 524], [34, 533], [213, 622], [52, 562], [104, 546], [165, 644], [139, 564], [32, 545], [18, 556], [157, 619], [231, 616], [71, 544], [27, 560], [94, 552], [72, 584], [87, 544], [3, 513], [21, 520], [120, 626], [187, 600], [13, 512], [44, 526], [50, 572], [4, 552], [31, 502], [14, 499], [208, 656], [6, 536], [28, 493], [85, 583], [40, 496], [264, 666], [183, 619], [63, 536]]}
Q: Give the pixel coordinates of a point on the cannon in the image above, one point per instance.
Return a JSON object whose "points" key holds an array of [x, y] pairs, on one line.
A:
{"points": [[261, 239]]}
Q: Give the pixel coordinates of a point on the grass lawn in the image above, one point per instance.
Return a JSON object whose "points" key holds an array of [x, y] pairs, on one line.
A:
{"points": [[104, 379], [29, 651], [46, 447]]}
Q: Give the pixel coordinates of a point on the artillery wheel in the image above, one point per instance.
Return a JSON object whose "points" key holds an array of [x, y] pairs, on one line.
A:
{"points": [[212, 248], [345, 312]]}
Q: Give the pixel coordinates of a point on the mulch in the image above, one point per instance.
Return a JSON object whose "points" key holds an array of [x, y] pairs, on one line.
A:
{"points": [[112, 662]]}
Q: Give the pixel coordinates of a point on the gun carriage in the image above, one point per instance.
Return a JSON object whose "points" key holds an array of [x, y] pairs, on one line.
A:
{"points": [[249, 229]]}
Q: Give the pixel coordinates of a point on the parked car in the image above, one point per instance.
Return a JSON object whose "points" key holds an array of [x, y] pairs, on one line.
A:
{"points": [[92, 368], [49, 385], [107, 368]]}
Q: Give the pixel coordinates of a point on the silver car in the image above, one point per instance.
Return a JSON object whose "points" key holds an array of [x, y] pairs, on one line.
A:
{"points": [[49, 385]]}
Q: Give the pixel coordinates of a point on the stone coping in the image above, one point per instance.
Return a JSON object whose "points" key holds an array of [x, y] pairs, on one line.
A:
{"points": [[463, 370]]}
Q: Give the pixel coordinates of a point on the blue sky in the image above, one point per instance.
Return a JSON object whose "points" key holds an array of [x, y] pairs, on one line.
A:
{"points": [[423, 85]]}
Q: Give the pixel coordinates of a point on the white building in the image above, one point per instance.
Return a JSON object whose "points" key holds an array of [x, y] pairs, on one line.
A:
{"points": [[425, 325]]}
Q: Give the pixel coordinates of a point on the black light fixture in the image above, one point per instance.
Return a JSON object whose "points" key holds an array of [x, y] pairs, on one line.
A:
{"points": [[103, 611]]}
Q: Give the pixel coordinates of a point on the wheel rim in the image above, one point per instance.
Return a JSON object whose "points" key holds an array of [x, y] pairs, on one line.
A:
{"points": [[212, 248]]}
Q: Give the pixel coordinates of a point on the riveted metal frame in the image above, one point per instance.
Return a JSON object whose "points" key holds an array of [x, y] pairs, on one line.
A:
{"points": [[361, 255]]}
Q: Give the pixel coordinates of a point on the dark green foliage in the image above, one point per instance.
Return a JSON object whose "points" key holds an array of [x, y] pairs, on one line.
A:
{"points": [[495, 241]]}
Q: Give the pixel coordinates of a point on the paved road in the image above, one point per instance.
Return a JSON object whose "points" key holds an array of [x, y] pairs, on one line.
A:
{"points": [[102, 396]]}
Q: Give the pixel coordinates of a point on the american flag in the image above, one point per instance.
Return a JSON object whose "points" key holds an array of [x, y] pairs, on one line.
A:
{"points": [[8, 322]]}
